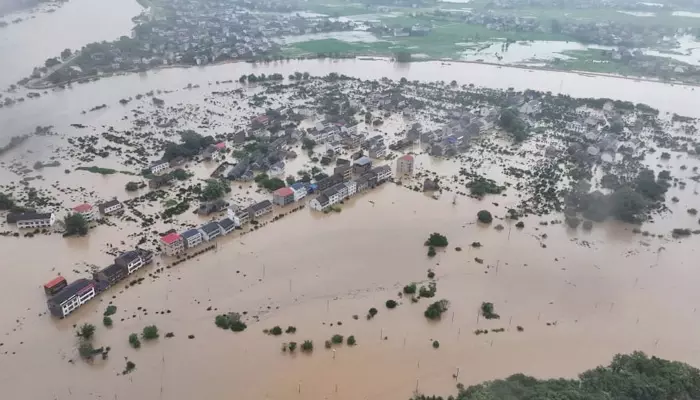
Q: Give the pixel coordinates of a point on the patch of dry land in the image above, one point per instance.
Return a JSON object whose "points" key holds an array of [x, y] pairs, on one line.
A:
{"points": [[567, 298]]}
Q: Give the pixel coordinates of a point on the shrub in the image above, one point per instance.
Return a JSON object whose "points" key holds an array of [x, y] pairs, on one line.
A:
{"points": [[484, 216], [222, 321], [110, 310], [520, 328], [572, 221], [520, 224], [372, 312], [328, 344], [435, 310], [436, 344], [431, 274], [436, 240], [86, 350], [107, 321], [276, 331], [487, 310], [351, 340], [130, 366], [291, 329], [150, 332], [307, 346], [132, 186], [134, 341], [391, 304], [86, 331], [410, 289], [292, 346], [337, 339], [431, 251], [587, 225], [428, 291], [238, 326]]}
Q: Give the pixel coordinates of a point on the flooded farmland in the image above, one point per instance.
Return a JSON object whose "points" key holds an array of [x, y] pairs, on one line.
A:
{"points": [[579, 296]]}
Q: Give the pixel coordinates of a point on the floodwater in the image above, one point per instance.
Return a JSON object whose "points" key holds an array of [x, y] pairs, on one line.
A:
{"points": [[521, 52], [602, 292], [686, 14], [73, 25], [348, 36]]}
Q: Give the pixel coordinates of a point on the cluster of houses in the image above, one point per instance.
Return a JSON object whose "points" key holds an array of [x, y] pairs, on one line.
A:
{"points": [[454, 137], [66, 298], [174, 243], [36, 220], [340, 186]]}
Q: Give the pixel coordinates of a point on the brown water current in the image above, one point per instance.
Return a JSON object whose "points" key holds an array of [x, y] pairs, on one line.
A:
{"points": [[601, 292]]}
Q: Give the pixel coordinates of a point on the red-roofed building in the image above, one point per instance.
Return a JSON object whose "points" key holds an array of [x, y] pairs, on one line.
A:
{"points": [[283, 196], [172, 244], [220, 146], [55, 285], [86, 210], [261, 120], [404, 166]]}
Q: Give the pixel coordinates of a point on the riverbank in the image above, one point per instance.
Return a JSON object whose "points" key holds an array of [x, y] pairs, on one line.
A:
{"points": [[42, 84]]}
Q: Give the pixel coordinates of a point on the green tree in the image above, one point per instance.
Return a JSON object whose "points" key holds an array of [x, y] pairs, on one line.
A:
{"points": [[150, 332], [134, 341], [391, 304], [132, 186], [627, 205], [86, 331], [276, 331], [50, 62], [86, 350], [308, 143], [351, 340], [292, 346], [110, 310], [272, 184], [6, 202], [66, 54], [307, 346], [484, 216], [215, 189], [435, 310], [75, 224], [487, 310], [431, 251], [436, 240], [410, 289], [107, 321], [337, 339]]}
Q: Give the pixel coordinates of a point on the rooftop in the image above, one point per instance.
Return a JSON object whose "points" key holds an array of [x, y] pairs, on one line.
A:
{"points": [[110, 203], [29, 216], [298, 185], [407, 157], [170, 238], [210, 227], [226, 223], [261, 206], [190, 233], [77, 287], [364, 160], [81, 208], [128, 256], [284, 192], [111, 270], [55, 281]]}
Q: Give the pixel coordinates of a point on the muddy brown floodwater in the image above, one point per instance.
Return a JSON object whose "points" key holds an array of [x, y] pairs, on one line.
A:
{"points": [[601, 293]]}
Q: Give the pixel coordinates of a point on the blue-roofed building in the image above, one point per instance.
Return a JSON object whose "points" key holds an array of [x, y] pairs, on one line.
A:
{"points": [[210, 231], [361, 165], [311, 188], [299, 190], [192, 238]]}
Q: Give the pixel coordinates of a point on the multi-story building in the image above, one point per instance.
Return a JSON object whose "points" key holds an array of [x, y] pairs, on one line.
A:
{"points": [[55, 285], [257, 210], [173, 244], [130, 260], [110, 207], [378, 151], [71, 297], [159, 166], [192, 238], [344, 170], [86, 210], [227, 225], [404, 165], [210, 231], [109, 276], [283, 196], [361, 165], [32, 220], [241, 217], [299, 191], [325, 183], [320, 203], [383, 173], [351, 187]]}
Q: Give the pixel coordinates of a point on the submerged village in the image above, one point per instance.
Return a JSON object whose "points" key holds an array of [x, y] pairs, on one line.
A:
{"points": [[587, 158], [205, 168]]}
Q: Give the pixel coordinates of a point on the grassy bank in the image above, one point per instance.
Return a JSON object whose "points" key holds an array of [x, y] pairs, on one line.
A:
{"points": [[103, 171]]}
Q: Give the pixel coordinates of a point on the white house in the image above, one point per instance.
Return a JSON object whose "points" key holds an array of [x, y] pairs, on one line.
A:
{"points": [[383, 173], [71, 297], [299, 191], [110, 207], [159, 166], [320, 203], [227, 226], [351, 188], [192, 238], [35, 220], [131, 260], [210, 231]]}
